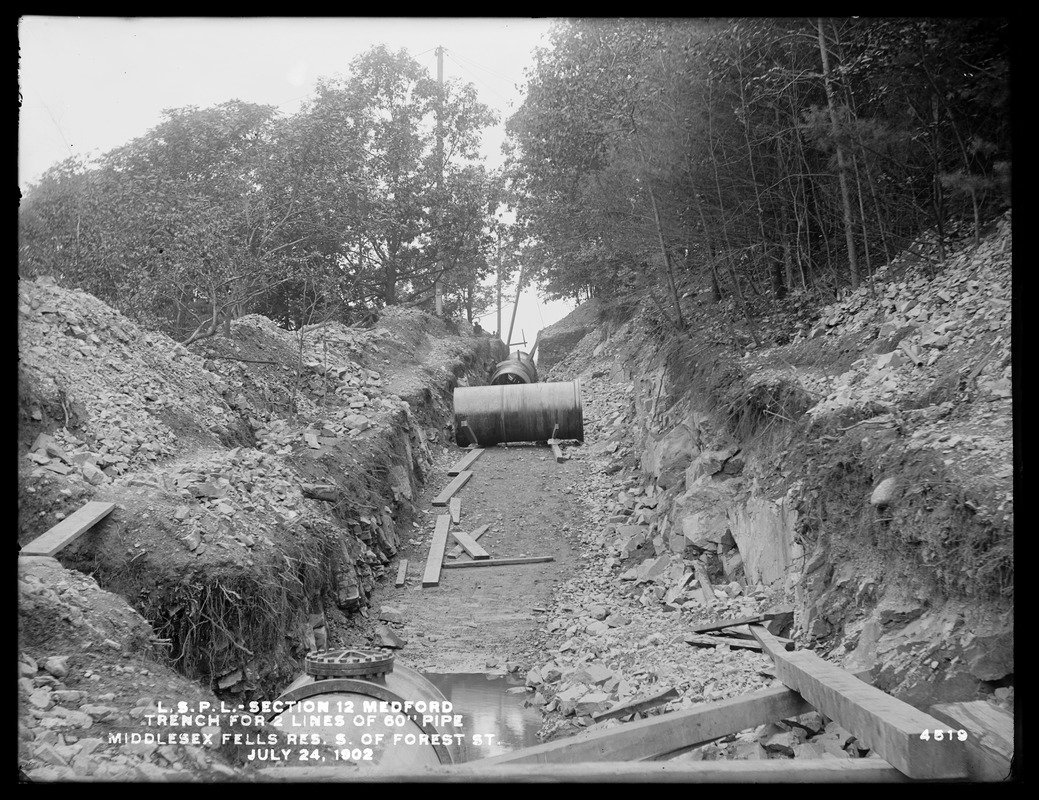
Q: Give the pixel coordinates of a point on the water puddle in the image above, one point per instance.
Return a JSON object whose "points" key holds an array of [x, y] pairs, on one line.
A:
{"points": [[494, 722]]}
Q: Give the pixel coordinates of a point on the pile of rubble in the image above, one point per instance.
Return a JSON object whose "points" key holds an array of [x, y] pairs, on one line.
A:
{"points": [[99, 679], [938, 337], [617, 631]]}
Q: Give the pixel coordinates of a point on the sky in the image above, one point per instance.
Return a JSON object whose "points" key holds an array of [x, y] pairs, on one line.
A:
{"points": [[90, 84]]}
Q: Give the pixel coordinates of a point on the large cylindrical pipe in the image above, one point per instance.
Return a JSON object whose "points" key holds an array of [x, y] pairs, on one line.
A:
{"points": [[517, 369], [523, 412], [324, 709]]}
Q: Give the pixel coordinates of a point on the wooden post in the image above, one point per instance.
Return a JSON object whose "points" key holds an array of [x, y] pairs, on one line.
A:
{"points": [[881, 722]]}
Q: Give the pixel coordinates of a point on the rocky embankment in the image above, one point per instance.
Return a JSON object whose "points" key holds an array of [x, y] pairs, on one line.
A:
{"points": [[259, 484], [861, 472]]}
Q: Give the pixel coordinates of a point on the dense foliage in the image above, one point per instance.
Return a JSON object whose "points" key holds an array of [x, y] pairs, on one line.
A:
{"points": [[745, 158], [363, 199], [755, 156]]}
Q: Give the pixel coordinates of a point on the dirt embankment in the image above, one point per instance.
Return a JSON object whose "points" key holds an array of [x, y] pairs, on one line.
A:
{"points": [[260, 486], [861, 460]]}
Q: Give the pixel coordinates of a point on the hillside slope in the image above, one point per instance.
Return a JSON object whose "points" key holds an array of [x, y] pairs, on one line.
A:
{"points": [[861, 460], [262, 484]]}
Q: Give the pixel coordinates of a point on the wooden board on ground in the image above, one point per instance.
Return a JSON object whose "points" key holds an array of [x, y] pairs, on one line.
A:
{"points": [[465, 462], [728, 635], [455, 505], [460, 480], [68, 530], [467, 543], [431, 577], [456, 551], [402, 572], [881, 722], [802, 771], [716, 641], [498, 562], [657, 736], [990, 736], [556, 451], [634, 706], [731, 623]]}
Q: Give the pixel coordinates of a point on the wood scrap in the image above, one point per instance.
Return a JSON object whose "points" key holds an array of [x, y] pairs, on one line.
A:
{"points": [[402, 573], [456, 551], [455, 505], [881, 722], [68, 530], [634, 706], [728, 633], [460, 480], [731, 623], [431, 577], [470, 546], [716, 641]]}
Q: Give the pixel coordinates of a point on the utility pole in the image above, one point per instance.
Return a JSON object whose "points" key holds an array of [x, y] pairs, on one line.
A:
{"points": [[498, 329], [515, 308], [439, 287]]}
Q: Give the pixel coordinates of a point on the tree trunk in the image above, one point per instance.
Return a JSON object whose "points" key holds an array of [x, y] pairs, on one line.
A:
{"points": [[842, 169]]}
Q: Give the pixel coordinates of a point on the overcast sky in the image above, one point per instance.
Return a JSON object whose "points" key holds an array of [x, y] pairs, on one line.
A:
{"points": [[89, 84]]}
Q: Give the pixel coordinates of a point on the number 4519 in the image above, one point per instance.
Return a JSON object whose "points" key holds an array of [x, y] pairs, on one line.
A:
{"points": [[938, 735]]}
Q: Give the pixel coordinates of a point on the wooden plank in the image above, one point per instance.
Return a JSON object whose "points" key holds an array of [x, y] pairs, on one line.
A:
{"points": [[803, 771], [716, 641], [705, 583], [431, 577], [465, 462], [469, 432], [456, 551], [497, 562], [728, 635], [556, 451], [455, 505], [668, 733], [460, 480], [990, 736], [881, 722], [68, 530], [402, 572], [634, 706], [470, 546], [730, 623]]}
